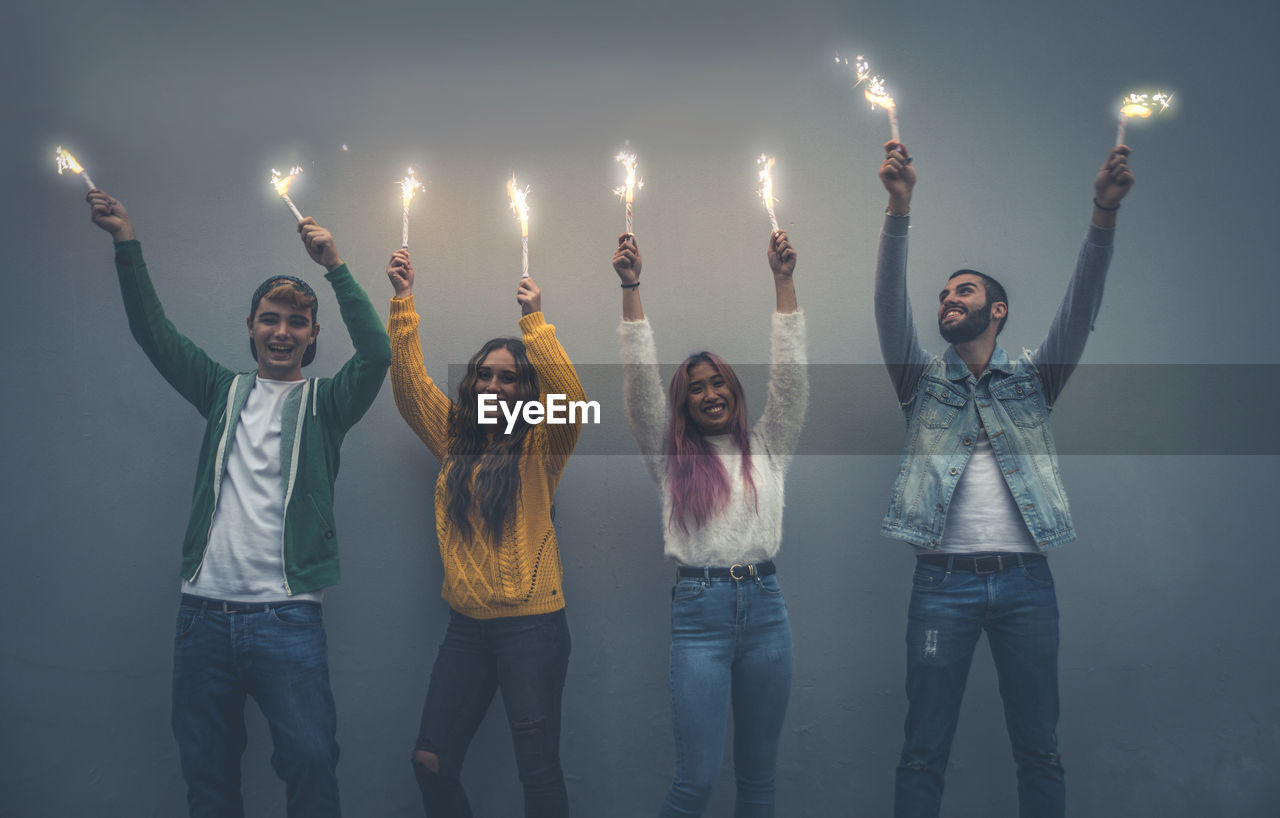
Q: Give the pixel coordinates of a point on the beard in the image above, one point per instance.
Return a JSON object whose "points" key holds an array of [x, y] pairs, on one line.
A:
{"points": [[968, 327]]}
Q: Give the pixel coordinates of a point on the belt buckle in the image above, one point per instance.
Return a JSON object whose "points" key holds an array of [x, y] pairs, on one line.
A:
{"points": [[733, 571], [996, 558]]}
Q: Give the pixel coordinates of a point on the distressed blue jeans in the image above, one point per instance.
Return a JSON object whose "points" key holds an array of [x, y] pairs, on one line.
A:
{"points": [[278, 656], [526, 657], [730, 649], [949, 611]]}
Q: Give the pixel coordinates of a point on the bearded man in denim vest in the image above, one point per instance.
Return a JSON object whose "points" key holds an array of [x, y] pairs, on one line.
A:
{"points": [[979, 495], [260, 546]]}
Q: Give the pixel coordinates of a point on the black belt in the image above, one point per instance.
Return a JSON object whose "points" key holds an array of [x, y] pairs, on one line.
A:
{"points": [[979, 564], [736, 572], [223, 605]]}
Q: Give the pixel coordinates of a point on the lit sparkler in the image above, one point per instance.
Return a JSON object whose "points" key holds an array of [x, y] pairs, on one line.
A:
{"points": [[1140, 106], [68, 162], [629, 187], [877, 95], [520, 205], [281, 185], [861, 68], [408, 186], [766, 187]]}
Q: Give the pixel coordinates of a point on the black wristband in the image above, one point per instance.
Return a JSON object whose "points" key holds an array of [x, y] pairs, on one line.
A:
{"points": [[630, 286], [1100, 207]]}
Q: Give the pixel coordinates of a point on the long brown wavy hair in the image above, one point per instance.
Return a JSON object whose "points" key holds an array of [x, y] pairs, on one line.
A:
{"points": [[494, 457]]}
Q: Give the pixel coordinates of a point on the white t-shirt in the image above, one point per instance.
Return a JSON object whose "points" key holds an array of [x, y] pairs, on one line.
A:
{"points": [[983, 515], [244, 561]]}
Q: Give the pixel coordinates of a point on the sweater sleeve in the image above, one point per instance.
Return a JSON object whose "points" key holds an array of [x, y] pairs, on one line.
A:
{"points": [[1063, 347], [352, 390], [421, 403], [187, 368], [556, 376], [788, 394], [642, 394], [903, 356]]}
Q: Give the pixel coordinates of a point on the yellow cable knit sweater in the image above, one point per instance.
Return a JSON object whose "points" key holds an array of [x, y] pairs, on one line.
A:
{"points": [[522, 575]]}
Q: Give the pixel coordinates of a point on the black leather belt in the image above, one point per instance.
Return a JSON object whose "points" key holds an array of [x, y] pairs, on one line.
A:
{"points": [[737, 572], [978, 563], [192, 601]]}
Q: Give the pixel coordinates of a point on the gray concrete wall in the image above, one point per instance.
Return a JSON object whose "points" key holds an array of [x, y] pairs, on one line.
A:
{"points": [[1168, 640]]}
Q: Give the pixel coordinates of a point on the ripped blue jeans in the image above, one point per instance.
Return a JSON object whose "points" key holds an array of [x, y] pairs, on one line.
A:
{"points": [[527, 658], [950, 609]]}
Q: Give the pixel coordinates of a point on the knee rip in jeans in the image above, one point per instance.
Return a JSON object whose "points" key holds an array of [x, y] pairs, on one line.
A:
{"points": [[527, 726], [427, 760]]}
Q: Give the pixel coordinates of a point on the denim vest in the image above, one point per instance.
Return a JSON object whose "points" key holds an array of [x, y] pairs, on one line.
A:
{"points": [[950, 407]]}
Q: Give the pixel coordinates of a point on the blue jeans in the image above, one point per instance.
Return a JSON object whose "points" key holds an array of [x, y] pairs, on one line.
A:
{"points": [[949, 610], [527, 657], [276, 654], [730, 645]]}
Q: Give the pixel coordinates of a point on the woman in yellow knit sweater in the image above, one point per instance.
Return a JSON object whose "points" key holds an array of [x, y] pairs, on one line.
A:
{"points": [[507, 627]]}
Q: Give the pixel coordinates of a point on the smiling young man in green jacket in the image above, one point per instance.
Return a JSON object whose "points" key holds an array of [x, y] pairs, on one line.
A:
{"points": [[260, 546]]}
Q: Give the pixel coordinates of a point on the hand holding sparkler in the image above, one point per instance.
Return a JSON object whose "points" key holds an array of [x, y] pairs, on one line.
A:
{"points": [[529, 297], [400, 273], [1113, 183], [319, 244], [110, 215], [627, 263], [782, 261], [898, 177]]}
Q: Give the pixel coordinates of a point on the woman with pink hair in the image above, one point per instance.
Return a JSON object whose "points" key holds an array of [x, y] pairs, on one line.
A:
{"points": [[722, 495]]}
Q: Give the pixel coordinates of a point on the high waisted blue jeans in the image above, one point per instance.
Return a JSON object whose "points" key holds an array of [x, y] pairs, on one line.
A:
{"points": [[730, 649], [526, 657], [949, 611]]}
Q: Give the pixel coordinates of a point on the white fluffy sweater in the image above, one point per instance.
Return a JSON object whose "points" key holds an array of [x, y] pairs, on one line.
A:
{"points": [[741, 532]]}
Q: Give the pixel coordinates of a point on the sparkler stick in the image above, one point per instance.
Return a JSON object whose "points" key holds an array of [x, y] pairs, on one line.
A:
{"points": [[520, 205], [68, 162], [630, 185], [1140, 106], [408, 186], [281, 185], [766, 188]]}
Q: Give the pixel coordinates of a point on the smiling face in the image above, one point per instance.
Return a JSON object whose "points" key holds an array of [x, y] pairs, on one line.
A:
{"points": [[710, 401], [964, 311], [280, 333], [496, 374]]}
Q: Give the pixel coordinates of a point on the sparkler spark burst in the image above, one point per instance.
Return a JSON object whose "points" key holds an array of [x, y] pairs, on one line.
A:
{"points": [[409, 185], [627, 191], [1139, 105], [877, 95], [519, 204], [861, 68], [66, 161], [281, 183]]}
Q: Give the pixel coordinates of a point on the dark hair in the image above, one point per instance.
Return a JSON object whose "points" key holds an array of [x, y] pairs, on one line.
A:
{"points": [[494, 461], [696, 479], [995, 292], [293, 291]]}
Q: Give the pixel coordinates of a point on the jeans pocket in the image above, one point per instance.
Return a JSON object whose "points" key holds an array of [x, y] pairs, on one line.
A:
{"points": [[687, 590], [298, 615], [187, 618], [929, 577], [1037, 572], [770, 585]]}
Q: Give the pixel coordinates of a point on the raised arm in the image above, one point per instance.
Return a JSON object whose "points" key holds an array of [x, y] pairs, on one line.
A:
{"points": [[787, 398], [899, 345], [352, 390], [642, 392], [1063, 346], [196, 376], [421, 403], [556, 375]]}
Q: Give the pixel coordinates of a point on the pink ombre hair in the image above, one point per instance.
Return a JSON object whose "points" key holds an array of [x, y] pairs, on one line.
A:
{"points": [[696, 478]]}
